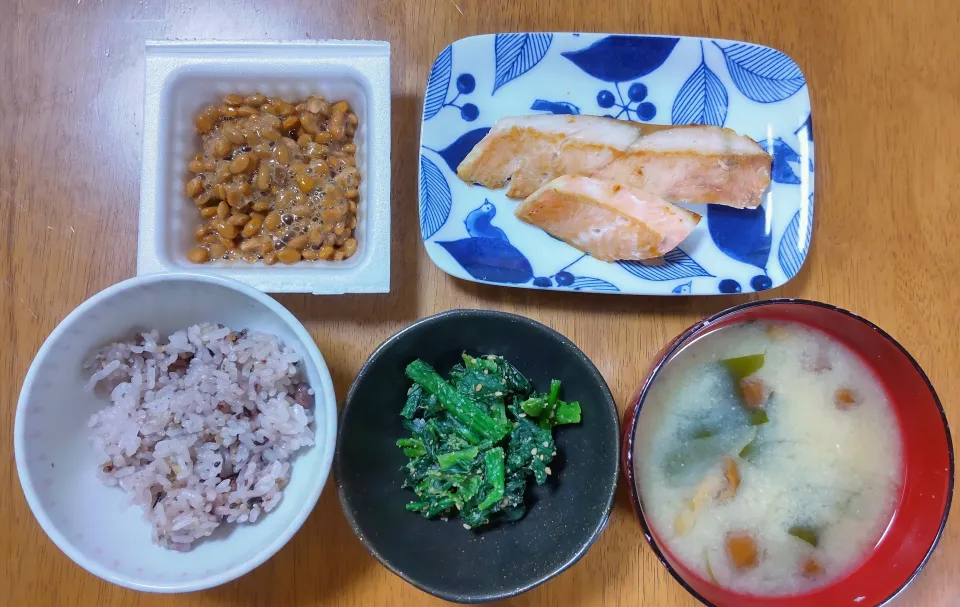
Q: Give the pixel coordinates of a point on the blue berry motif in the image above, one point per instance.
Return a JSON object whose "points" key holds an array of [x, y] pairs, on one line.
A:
{"points": [[466, 83], [564, 279], [761, 282], [605, 99], [636, 94], [729, 285], [469, 112], [637, 91]]}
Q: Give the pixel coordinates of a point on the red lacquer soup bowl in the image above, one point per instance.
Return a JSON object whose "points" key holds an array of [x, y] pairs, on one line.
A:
{"points": [[921, 513]]}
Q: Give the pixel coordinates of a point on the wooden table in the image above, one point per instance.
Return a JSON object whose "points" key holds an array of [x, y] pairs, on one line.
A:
{"points": [[886, 100]]}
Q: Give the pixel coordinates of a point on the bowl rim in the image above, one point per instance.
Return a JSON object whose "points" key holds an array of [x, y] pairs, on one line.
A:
{"points": [[608, 506], [636, 404], [311, 352]]}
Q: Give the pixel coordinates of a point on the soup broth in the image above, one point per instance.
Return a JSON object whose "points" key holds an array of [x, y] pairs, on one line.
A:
{"points": [[768, 458]]}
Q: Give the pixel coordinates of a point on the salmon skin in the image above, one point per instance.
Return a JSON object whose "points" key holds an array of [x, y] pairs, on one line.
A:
{"points": [[693, 163], [607, 220]]}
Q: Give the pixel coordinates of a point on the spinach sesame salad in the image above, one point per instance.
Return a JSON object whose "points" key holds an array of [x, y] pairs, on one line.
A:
{"points": [[478, 437]]}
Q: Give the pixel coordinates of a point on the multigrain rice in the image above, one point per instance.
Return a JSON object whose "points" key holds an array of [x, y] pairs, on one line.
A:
{"points": [[201, 427]]}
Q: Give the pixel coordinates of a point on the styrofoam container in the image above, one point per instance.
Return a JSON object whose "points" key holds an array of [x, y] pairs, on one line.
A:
{"points": [[183, 78], [94, 524]]}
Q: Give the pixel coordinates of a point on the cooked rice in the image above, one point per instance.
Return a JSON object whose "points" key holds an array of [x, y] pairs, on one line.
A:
{"points": [[201, 426]]}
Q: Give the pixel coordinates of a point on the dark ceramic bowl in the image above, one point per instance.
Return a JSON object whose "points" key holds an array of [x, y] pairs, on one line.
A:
{"points": [[564, 516], [925, 496]]}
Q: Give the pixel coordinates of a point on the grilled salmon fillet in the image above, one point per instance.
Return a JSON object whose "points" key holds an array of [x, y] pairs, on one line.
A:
{"points": [[607, 220], [692, 163], [704, 164], [529, 151]]}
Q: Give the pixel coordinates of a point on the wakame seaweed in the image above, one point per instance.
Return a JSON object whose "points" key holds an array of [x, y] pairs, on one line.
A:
{"points": [[477, 438]]}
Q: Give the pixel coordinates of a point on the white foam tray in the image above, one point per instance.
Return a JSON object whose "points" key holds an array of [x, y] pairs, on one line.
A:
{"points": [[182, 78]]}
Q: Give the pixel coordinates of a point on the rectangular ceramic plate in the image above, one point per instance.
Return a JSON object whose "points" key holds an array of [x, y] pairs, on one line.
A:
{"points": [[470, 232], [184, 77]]}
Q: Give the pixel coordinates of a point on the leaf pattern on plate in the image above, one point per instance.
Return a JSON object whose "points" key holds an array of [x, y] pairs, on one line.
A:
{"points": [[742, 234], [435, 198], [586, 283], [555, 107], [702, 99], [805, 129], [454, 153], [437, 84], [517, 54], [783, 155], [675, 264], [762, 74], [490, 259], [623, 58], [795, 243]]}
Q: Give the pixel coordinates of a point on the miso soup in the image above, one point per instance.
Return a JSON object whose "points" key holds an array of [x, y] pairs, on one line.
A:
{"points": [[768, 458]]}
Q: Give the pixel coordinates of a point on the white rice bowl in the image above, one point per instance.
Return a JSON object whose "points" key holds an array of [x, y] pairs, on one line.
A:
{"points": [[97, 499]]}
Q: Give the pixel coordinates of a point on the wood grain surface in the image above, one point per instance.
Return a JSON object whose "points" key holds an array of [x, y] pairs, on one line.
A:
{"points": [[886, 104]]}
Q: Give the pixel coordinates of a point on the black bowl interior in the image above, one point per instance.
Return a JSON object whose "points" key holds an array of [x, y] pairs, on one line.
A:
{"points": [[564, 516]]}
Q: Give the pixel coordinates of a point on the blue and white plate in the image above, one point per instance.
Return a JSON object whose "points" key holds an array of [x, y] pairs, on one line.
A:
{"points": [[470, 232]]}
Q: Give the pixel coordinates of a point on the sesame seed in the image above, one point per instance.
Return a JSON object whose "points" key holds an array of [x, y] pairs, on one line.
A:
{"points": [[541, 457], [498, 393], [478, 388], [546, 444], [486, 371], [409, 390], [554, 453], [548, 470], [533, 451], [522, 415]]}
